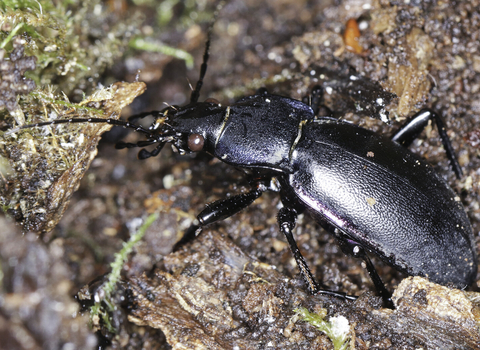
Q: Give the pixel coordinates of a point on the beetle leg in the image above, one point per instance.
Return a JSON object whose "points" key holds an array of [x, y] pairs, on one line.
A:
{"points": [[412, 129], [314, 100], [218, 211], [354, 249], [144, 154], [224, 208], [286, 221]]}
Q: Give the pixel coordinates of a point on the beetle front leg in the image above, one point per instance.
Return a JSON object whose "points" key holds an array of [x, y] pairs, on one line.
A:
{"points": [[412, 129], [224, 208], [218, 211], [286, 221]]}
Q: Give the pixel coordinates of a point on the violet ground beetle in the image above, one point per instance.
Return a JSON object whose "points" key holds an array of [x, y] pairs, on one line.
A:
{"points": [[369, 191]]}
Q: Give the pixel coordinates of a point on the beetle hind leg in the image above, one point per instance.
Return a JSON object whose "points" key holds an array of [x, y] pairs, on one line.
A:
{"points": [[354, 249], [412, 129]]}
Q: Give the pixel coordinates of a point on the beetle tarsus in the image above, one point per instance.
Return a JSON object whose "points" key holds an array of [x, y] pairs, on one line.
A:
{"points": [[192, 232]]}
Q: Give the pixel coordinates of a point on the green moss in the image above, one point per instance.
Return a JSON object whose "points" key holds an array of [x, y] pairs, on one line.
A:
{"points": [[336, 329], [73, 41], [104, 307], [47, 163]]}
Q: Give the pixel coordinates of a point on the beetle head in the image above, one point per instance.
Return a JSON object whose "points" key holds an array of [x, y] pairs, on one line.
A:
{"points": [[191, 128]]}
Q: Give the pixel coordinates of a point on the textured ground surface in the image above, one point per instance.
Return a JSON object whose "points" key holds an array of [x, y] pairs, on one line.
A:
{"points": [[237, 284]]}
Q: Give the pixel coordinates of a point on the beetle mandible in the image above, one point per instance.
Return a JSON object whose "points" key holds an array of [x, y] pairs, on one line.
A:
{"points": [[368, 190]]}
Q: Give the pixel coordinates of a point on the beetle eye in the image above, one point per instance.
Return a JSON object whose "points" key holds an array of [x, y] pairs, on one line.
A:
{"points": [[212, 100], [195, 142]]}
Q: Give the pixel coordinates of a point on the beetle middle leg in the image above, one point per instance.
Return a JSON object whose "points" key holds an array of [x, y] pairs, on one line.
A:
{"points": [[412, 129], [286, 221]]}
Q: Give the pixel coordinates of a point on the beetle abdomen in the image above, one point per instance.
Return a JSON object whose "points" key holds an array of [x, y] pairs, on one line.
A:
{"points": [[382, 196]]}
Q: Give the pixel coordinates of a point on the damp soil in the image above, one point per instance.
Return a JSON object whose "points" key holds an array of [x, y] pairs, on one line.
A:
{"points": [[237, 285]]}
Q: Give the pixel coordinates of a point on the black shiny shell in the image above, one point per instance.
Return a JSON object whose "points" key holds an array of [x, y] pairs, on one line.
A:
{"points": [[380, 195], [260, 131], [373, 190]]}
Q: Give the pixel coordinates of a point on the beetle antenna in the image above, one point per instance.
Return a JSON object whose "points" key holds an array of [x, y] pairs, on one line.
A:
{"points": [[161, 139], [203, 69], [110, 121]]}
